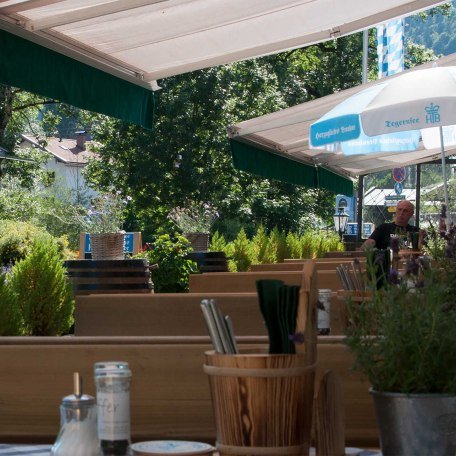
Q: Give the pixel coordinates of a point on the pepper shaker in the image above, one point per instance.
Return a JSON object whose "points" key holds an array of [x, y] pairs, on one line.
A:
{"points": [[112, 381]]}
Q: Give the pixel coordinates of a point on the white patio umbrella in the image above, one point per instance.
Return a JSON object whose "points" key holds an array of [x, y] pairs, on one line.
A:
{"points": [[394, 116]]}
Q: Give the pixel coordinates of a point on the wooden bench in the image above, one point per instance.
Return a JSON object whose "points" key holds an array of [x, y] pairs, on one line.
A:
{"points": [[170, 396], [163, 314], [348, 254], [322, 264], [245, 282]]}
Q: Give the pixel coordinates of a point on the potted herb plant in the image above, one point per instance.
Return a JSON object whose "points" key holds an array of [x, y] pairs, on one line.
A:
{"points": [[195, 223], [103, 221], [404, 341]]}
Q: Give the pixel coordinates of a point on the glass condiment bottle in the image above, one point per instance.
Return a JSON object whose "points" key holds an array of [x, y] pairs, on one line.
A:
{"points": [[113, 381], [78, 424], [323, 315]]}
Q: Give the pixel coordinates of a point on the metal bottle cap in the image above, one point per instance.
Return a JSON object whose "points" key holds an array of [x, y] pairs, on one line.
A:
{"points": [[111, 365]]}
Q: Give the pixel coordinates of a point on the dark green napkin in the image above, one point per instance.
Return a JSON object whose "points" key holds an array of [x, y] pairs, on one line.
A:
{"points": [[279, 306]]}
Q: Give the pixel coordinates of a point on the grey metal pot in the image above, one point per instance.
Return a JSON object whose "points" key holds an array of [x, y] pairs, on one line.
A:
{"points": [[416, 424]]}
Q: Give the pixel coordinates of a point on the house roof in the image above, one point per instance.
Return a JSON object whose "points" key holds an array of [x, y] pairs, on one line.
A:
{"points": [[63, 149]]}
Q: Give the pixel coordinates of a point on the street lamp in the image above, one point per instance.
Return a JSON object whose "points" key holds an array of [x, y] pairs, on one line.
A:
{"points": [[340, 221]]}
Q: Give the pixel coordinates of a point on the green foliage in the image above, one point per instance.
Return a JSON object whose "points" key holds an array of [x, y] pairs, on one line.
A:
{"points": [[197, 218], [265, 251], [244, 254], [17, 239], [50, 208], [105, 214], [42, 292], [404, 339], [294, 245], [275, 247], [434, 245], [278, 240], [10, 317], [173, 266], [434, 29], [217, 243]]}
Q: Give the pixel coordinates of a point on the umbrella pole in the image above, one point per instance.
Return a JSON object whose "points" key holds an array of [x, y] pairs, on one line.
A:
{"points": [[445, 182]]}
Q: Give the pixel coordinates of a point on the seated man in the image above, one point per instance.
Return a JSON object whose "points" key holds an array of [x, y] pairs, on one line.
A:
{"points": [[380, 238]]}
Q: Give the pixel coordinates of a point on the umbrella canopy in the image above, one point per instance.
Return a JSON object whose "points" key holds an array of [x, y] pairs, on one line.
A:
{"points": [[284, 135], [393, 116]]}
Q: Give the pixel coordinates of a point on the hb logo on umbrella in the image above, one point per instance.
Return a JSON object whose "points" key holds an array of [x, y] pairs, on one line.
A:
{"points": [[432, 115]]}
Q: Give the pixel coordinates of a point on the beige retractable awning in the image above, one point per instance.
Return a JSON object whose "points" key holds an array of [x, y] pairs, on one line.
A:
{"points": [[146, 40]]}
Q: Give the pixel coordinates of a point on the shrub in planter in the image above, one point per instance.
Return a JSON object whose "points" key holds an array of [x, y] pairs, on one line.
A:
{"points": [[42, 292], [16, 240], [278, 239], [265, 252], [170, 253], [219, 244], [404, 341], [10, 317], [243, 254], [294, 245]]}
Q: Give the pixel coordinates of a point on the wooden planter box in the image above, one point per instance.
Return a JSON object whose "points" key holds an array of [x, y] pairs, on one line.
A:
{"points": [[109, 276]]}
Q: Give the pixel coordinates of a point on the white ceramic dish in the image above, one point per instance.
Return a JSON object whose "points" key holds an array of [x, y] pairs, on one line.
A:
{"points": [[171, 448]]}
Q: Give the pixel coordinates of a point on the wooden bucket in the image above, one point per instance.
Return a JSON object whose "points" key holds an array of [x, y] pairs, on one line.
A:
{"points": [[262, 403]]}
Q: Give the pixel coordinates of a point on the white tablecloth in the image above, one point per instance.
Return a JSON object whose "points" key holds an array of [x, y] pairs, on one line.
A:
{"points": [[29, 450]]}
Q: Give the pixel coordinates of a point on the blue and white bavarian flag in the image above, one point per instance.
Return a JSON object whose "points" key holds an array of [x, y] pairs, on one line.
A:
{"points": [[390, 48]]}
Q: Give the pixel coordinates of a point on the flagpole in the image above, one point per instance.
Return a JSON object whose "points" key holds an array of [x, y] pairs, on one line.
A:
{"points": [[365, 54], [359, 217]]}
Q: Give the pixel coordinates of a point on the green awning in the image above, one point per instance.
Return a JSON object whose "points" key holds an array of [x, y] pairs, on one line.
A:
{"points": [[247, 157], [39, 70]]}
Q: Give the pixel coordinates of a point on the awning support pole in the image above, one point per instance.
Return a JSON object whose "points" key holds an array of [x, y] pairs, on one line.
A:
{"points": [[417, 194], [445, 182], [359, 215]]}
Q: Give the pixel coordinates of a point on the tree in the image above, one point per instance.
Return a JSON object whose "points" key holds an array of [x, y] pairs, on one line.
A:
{"points": [[185, 157]]}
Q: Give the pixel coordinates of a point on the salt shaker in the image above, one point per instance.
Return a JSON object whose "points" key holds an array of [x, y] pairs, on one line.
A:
{"points": [[78, 424], [112, 381]]}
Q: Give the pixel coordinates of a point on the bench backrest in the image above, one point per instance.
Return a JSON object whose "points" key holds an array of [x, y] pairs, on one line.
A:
{"points": [[170, 396], [245, 282], [163, 314]]}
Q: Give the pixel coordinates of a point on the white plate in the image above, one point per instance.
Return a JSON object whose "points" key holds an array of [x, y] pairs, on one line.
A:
{"points": [[353, 452], [172, 448]]}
